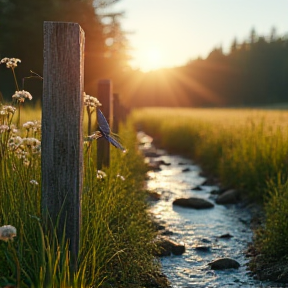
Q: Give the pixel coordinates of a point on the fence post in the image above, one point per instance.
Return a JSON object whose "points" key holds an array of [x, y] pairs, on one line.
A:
{"points": [[62, 115], [105, 97], [116, 113]]}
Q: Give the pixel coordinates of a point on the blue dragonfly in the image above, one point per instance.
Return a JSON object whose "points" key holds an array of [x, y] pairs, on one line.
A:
{"points": [[105, 130]]}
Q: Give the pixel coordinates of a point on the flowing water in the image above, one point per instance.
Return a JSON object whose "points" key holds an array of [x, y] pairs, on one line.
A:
{"points": [[195, 228]]}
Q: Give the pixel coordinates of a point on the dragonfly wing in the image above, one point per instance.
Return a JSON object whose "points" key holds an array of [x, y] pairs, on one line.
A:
{"points": [[102, 123], [114, 142]]}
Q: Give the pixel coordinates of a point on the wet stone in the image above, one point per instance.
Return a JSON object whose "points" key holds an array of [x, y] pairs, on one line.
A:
{"points": [[197, 188], [224, 263], [229, 197], [202, 248], [215, 192], [226, 236], [166, 247], [162, 162], [154, 166], [153, 196], [193, 202], [205, 240], [166, 232]]}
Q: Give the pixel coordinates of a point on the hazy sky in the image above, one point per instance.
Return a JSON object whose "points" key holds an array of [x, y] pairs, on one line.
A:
{"points": [[169, 33]]}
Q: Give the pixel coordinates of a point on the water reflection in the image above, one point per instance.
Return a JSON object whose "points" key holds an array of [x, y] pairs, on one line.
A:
{"points": [[199, 228]]}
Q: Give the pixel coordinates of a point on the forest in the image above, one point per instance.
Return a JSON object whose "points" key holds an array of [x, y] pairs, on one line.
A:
{"points": [[252, 73], [106, 46]]}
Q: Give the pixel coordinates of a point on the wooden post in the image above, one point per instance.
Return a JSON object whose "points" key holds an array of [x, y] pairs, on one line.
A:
{"points": [[105, 98], [62, 140], [116, 113]]}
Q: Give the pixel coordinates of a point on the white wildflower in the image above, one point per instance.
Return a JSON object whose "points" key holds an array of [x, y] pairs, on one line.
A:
{"points": [[9, 109], [93, 136], [7, 232], [28, 125], [4, 128], [121, 177], [15, 142], [101, 174], [31, 142], [13, 128], [34, 125], [20, 96], [91, 101], [34, 182], [10, 62], [37, 126]]}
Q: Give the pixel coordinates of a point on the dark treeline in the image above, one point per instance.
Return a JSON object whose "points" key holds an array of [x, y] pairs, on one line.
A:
{"points": [[254, 72], [21, 36]]}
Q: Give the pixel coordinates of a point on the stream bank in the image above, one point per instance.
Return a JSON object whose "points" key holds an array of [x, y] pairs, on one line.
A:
{"points": [[220, 232]]}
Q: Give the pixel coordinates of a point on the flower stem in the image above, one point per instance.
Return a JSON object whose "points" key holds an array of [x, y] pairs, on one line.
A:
{"points": [[18, 270], [16, 83]]}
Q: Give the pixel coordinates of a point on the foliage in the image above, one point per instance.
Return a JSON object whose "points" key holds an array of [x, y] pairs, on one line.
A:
{"points": [[116, 235], [273, 237], [26, 40], [116, 232], [244, 148]]}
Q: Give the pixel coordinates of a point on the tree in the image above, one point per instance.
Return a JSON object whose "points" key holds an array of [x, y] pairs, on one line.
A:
{"points": [[22, 37]]}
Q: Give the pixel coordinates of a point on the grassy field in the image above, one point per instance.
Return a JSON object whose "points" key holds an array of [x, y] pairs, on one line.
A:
{"points": [[246, 149], [116, 233]]}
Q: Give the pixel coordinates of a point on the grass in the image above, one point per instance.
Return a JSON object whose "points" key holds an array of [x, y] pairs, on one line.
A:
{"points": [[244, 148], [116, 232], [116, 237]]}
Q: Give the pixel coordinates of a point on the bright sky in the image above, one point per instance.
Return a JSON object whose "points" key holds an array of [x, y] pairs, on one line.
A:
{"points": [[168, 33]]}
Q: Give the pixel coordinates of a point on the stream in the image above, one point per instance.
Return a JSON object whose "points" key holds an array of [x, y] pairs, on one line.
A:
{"points": [[177, 178]]}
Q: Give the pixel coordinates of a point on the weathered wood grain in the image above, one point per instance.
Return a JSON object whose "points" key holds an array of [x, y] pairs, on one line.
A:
{"points": [[62, 115]]}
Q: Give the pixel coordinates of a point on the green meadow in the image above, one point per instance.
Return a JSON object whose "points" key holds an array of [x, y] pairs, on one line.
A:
{"points": [[116, 237], [244, 148]]}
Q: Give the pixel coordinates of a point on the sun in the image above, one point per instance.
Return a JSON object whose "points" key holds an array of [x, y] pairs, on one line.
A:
{"points": [[153, 59]]}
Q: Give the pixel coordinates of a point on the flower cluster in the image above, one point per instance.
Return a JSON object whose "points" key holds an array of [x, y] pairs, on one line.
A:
{"points": [[10, 62], [4, 128], [20, 96], [121, 177], [8, 128], [34, 126], [101, 174], [34, 182], [6, 110], [96, 135], [7, 232], [14, 142], [24, 148], [91, 101], [31, 142]]}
